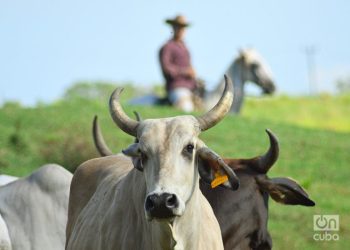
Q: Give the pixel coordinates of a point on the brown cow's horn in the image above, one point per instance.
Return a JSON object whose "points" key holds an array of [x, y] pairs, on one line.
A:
{"points": [[218, 112], [123, 121], [98, 139], [266, 161]]}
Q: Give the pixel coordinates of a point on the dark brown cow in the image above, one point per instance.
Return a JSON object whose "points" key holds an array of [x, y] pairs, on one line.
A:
{"points": [[243, 214]]}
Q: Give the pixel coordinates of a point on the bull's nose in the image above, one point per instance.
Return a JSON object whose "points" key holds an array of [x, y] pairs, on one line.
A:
{"points": [[161, 205]]}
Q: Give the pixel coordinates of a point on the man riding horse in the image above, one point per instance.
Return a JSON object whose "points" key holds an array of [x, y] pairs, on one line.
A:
{"points": [[187, 93]]}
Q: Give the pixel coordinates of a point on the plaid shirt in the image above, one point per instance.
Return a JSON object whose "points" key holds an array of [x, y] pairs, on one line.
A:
{"points": [[175, 63]]}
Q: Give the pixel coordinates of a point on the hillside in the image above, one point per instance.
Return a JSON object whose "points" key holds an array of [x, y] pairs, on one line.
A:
{"points": [[314, 136]]}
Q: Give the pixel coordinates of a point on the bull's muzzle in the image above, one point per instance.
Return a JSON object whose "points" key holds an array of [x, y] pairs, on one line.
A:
{"points": [[161, 206]]}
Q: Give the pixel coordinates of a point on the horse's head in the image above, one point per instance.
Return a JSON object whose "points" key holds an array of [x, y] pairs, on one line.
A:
{"points": [[256, 70]]}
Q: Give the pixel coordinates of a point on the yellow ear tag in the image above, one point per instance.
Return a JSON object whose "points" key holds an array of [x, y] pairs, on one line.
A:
{"points": [[219, 179]]}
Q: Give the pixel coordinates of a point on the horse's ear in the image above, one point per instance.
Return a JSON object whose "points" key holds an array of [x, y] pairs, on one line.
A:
{"points": [[243, 55]]}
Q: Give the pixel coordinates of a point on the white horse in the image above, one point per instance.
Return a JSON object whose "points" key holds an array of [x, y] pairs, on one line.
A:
{"points": [[248, 66]]}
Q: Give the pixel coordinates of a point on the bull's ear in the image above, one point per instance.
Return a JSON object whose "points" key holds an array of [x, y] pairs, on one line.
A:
{"points": [[210, 163], [132, 150], [285, 191], [134, 153]]}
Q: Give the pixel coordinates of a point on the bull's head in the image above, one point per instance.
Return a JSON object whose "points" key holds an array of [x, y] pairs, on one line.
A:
{"points": [[168, 152]]}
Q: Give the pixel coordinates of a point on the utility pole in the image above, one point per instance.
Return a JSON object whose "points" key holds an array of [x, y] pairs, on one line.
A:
{"points": [[310, 52]]}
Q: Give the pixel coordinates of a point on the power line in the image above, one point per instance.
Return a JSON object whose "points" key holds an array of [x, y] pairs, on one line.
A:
{"points": [[310, 52]]}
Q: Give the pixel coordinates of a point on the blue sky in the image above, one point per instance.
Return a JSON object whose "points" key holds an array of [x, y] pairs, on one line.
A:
{"points": [[45, 46]]}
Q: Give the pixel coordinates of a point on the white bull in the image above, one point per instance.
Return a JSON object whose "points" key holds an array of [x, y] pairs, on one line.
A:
{"points": [[157, 204], [33, 210], [4, 179]]}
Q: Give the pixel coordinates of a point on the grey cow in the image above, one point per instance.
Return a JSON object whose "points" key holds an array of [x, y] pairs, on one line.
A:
{"points": [[33, 210], [243, 214], [151, 199]]}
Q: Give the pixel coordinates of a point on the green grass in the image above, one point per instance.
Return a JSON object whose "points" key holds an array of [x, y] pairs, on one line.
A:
{"points": [[314, 135], [326, 112]]}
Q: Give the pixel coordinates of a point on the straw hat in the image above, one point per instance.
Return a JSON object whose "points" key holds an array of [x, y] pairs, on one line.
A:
{"points": [[178, 21]]}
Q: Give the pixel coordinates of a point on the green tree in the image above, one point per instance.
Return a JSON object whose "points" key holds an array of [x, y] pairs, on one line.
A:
{"points": [[99, 90], [343, 85], [89, 90]]}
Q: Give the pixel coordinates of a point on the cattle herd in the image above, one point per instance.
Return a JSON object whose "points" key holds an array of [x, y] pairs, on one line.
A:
{"points": [[157, 194]]}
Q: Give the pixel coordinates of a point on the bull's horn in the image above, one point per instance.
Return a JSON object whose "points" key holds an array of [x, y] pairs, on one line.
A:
{"points": [[218, 112], [138, 116], [98, 139], [266, 161], [123, 121]]}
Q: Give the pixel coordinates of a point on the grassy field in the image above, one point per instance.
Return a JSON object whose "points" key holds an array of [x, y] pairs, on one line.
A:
{"points": [[314, 136]]}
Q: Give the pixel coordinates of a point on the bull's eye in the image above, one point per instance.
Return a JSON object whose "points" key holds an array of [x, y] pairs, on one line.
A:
{"points": [[189, 148]]}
